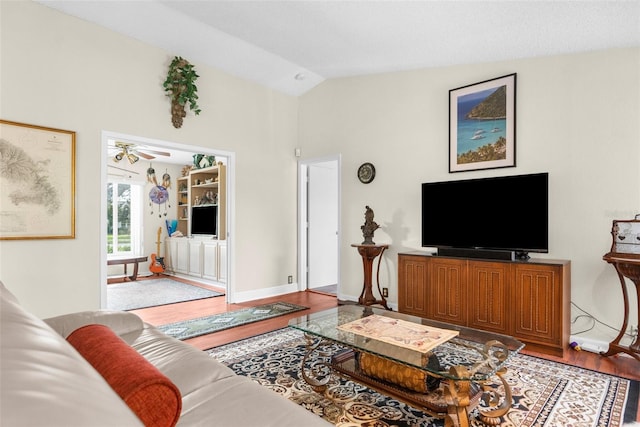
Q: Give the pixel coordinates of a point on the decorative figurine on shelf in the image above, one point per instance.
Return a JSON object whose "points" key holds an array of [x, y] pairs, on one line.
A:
{"points": [[369, 227], [201, 161]]}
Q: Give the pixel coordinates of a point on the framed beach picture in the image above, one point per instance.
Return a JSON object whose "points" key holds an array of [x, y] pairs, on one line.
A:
{"points": [[37, 182], [482, 125]]}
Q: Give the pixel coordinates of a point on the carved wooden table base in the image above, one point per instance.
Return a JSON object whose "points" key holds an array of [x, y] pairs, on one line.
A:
{"points": [[461, 395]]}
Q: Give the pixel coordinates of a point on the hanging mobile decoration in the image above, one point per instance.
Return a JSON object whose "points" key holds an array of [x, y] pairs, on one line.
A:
{"points": [[151, 175], [159, 195], [166, 180]]}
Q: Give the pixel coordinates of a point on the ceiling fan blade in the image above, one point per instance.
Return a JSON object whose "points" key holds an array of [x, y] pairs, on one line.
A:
{"points": [[144, 155], [160, 153]]}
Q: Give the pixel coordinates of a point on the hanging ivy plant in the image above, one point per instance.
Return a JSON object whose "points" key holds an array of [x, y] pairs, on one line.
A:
{"points": [[180, 86]]}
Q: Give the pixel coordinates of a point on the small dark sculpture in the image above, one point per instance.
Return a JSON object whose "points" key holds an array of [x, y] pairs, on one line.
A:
{"points": [[369, 227]]}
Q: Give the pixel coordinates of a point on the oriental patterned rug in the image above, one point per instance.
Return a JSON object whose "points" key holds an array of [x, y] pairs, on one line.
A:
{"points": [[153, 292], [545, 393], [206, 325]]}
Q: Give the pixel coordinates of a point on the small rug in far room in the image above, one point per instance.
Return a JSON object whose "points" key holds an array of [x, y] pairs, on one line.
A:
{"points": [[205, 325], [154, 292]]}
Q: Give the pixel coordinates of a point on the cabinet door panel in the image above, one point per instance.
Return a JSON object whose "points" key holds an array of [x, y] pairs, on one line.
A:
{"points": [[222, 262], [412, 274], [537, 292], [170, 255], [447, 292], [488, 302], [181, 263], [195, 258], [210, 261]]}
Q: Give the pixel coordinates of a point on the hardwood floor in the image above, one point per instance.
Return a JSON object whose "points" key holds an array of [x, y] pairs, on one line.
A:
{"points": [[620, 365]]}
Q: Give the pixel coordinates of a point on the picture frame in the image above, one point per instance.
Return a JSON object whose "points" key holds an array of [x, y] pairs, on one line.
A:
{"points": [[37, 182], [482, 125]]}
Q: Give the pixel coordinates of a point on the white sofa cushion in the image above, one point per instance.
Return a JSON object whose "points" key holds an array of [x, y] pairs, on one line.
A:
{"points": [[45, 382]]}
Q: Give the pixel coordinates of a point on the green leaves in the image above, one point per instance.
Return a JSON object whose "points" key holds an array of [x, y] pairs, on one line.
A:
{"points": [[180, 84]]}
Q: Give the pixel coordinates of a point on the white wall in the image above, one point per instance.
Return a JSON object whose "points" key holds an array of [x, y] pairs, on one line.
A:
{"points": [[578, 118], [58, 71]]}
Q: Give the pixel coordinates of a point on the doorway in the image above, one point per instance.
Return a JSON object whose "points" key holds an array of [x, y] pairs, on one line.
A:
{"points": [[319, 233], [181, 155]]}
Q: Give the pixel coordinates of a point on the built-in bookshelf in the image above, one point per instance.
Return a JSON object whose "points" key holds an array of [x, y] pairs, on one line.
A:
{"points": [[202, 188]]}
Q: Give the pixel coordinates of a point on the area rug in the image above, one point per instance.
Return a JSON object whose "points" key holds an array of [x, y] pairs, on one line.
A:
{"points": [[205, 325], [153, 292], [545, 393]]}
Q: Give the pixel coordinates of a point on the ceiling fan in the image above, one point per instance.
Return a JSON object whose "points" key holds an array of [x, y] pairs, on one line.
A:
{"points": [[125, 150]]}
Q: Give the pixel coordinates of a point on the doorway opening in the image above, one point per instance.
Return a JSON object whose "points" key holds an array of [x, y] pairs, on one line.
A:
{"points": [[153, 164], [319, 224]]}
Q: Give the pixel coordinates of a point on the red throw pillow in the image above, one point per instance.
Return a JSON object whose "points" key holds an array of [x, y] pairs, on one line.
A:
{"points": [[147, 391]]}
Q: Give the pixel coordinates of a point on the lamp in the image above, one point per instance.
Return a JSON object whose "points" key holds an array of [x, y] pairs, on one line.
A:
{"points": [[132, 158]]}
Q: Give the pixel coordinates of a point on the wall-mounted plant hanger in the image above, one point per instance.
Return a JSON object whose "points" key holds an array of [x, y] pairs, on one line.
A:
{"points": [[181, 88]]}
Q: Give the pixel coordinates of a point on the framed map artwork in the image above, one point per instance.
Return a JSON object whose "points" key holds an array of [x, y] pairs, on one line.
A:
{"points": [[37, 182]]}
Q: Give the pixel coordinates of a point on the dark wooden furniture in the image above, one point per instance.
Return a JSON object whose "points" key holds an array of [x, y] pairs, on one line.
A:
{"points": [[393, 351], [529, 300], [369, 254], [124, 260], [624, 256]]}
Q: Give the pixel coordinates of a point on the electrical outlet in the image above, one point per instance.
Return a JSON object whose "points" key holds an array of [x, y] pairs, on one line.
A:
{"points": [[385, 292], [289, 279]]}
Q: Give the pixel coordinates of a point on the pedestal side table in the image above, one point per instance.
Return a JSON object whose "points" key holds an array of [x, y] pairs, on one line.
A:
{"points": [[369, 254], [624, 256]]}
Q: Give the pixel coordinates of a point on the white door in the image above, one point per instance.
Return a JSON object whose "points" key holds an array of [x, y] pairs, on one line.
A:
{"points": [[323, 224]]}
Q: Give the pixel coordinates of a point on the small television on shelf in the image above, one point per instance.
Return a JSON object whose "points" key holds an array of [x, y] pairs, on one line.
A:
{"points": [[204, 220], [501, 217]]}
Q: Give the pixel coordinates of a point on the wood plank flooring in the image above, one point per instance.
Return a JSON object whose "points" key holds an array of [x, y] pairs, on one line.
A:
{"points": [[620, 365]]}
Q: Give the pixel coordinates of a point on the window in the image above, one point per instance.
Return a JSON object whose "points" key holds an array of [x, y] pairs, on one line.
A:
{"points": [[124, 218]]}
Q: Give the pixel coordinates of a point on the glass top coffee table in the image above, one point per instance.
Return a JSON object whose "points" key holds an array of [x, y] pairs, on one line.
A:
{"points": [[441, 368]]}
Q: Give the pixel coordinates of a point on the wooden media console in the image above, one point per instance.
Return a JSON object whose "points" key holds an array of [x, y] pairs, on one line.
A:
{"points": [[527, 299]]}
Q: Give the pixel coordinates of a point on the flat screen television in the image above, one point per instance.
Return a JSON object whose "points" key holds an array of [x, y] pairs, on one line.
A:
{"points": [[204, 219], [506, 214]]}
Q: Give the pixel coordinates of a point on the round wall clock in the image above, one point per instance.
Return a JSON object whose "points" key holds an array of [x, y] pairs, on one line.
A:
{"points": [[366, 173]]}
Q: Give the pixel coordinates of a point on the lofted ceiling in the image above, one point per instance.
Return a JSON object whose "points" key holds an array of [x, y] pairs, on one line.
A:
{"points": [[292, 46]]}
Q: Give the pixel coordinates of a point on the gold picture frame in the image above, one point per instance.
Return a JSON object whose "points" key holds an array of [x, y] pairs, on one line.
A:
{"points": [[37, 182]]}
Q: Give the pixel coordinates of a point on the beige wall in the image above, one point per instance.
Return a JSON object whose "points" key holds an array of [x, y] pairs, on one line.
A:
{"points": [[58, 71], [578, 118]]}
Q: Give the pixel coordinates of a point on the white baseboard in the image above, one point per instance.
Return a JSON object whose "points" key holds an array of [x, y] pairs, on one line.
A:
{"points": [[588, 344], [265, 292]]}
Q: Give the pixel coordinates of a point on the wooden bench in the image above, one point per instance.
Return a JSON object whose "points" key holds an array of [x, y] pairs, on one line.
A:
{"points": [[128, 260]]}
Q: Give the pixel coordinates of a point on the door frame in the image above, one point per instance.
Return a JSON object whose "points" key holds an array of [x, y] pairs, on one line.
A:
{"points": [[303, 197], [230, 203]]}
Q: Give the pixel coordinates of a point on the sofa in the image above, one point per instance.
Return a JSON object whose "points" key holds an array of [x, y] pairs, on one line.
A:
{"points": [[109, 368]]}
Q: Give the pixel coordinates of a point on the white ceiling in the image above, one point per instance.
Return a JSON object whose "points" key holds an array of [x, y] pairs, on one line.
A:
{"points": [[272, 42]]}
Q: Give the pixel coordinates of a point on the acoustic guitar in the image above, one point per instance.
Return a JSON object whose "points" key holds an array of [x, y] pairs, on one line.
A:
{"points": [[157, 262]]}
